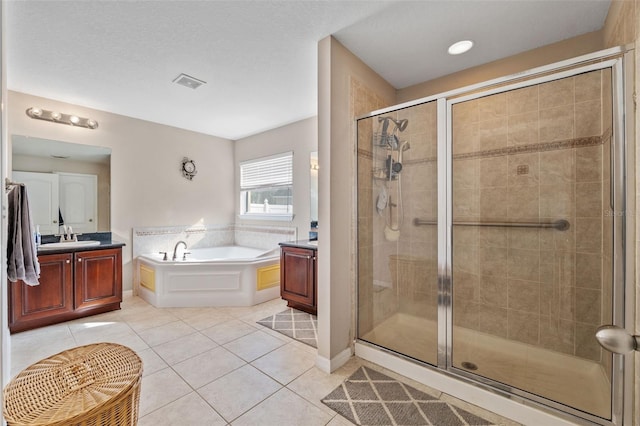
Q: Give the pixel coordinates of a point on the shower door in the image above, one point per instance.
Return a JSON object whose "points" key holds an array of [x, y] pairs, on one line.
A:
{"points": [[491, 235], [533, 238], [397, 261]]}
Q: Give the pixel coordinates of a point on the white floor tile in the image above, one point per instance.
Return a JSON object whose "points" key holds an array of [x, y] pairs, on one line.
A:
{"points": [[189, 410], [228, 331], [284, 408], [238, 391], [161, 388], [315, 385], [207, 319], [166, 333], [254, 345], [183, 359], [285, 363], [184, 348], [151, 361], [208, 366]]}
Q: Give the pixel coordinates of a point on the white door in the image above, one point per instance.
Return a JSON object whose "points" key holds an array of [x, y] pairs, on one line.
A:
{"points": [[42, 189], [79, 201]]}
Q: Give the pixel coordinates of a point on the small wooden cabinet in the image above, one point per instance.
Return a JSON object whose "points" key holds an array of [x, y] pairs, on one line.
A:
{"points": [[72, 285], [298, 277]]}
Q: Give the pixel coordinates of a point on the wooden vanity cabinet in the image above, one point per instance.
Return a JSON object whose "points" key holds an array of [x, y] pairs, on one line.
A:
{"points": [[298, 277], [34, 306], [72, 285], [98, 278]]}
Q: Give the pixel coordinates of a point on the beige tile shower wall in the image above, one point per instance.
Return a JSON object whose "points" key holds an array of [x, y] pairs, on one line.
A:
{"points": [[537, 286]]}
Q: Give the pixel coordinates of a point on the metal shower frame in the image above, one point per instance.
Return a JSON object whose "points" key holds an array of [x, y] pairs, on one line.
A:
{"points": [[621, 61]]}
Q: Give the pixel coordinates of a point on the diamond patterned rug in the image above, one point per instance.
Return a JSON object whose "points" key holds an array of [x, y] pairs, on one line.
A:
{"points": [[295, 324], [368, 397]]}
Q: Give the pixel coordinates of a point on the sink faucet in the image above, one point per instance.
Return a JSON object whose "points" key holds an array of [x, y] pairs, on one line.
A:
{"points": [[175, 249]]}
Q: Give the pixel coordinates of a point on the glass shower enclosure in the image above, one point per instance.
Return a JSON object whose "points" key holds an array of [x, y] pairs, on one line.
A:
{"points": [[489, 235]]}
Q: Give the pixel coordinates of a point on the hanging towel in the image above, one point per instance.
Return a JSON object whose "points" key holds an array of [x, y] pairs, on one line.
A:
{"points": [[22, 253], [60, 219]]}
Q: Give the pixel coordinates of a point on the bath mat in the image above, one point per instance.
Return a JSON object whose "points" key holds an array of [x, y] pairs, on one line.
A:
{"points": [[295, 324], [368, 397]]}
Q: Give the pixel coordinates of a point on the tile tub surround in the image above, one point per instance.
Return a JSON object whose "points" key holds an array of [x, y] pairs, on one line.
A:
{"points": [[212, 365], [164, 238]]}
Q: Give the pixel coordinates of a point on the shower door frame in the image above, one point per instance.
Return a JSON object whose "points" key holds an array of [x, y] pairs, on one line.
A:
{"points": [[618, 193], [620, 61]]}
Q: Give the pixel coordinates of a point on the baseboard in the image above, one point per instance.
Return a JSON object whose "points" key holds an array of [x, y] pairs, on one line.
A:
{"points": [[330, 365], [127, 293]]}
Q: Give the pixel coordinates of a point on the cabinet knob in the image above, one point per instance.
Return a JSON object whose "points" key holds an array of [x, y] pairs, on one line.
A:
{"points": [[68, 261], [55, 221], [80, 259]]}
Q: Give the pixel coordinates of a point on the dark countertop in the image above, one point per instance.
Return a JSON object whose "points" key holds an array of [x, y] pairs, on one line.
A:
{"points": [[104, 237], [306, 244]]}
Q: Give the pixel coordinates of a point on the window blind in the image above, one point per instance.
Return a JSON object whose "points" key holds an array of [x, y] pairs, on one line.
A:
{"points": [[276, 170]]}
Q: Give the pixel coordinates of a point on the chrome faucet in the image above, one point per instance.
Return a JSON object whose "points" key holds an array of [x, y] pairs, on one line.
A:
{"points": [[175, 249]]}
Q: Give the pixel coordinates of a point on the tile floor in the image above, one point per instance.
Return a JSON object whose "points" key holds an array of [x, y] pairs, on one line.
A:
{"points": [[211, 366]]}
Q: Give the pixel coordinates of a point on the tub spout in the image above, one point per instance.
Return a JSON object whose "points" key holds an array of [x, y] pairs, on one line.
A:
{"points": [[175, 249]]}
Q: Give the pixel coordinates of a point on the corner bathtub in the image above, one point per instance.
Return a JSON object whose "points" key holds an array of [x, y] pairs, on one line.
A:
{"points": [[215, 276]]}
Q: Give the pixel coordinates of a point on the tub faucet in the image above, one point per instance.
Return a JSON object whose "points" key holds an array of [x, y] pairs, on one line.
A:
{"points": [[175, 249]]}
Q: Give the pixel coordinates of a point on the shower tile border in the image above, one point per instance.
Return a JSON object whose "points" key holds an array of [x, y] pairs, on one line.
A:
{"points": [[583, 142]]}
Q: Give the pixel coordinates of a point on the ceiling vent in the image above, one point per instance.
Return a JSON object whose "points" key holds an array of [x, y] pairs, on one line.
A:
{"points": [[188, 81]]}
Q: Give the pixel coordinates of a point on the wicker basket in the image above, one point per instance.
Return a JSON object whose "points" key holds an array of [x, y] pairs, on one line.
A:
{"points": [[96, 384]]}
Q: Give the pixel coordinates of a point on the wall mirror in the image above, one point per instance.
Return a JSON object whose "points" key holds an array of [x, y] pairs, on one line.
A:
{"points": [[313, 161], [72, 168]]}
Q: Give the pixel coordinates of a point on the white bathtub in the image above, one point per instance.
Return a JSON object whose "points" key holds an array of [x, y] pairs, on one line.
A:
{"points": [[215, 276]]}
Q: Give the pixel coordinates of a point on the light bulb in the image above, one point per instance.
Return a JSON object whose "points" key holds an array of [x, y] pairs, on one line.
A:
{"points": [[74, 120], [91, 123], [36, 112], [56, 115]]}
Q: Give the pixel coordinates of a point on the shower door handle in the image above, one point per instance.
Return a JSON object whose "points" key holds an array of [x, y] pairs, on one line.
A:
{"points": [[617, 340]]}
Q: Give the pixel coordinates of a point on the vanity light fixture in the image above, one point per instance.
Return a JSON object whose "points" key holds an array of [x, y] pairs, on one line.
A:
{"points": [[460, 47], [57, 117]]}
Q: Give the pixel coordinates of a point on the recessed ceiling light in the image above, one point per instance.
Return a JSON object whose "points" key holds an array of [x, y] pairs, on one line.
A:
{"points": [[460, 47]]}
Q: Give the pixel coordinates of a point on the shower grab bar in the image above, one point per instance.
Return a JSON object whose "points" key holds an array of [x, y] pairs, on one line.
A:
{"points": [[560, 224]]}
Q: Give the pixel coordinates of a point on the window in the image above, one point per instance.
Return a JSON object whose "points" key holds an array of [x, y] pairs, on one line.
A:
{"points": [[266, 187]]}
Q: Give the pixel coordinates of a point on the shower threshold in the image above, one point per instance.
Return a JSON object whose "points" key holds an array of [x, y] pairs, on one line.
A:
{"points": [[569, 380]]}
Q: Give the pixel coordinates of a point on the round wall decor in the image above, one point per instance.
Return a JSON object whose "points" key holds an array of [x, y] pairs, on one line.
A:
{"points": [[188, 168]]}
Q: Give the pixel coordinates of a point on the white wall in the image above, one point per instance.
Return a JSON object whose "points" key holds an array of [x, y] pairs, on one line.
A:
{"points": [[300, 137], [337, 179], [147, 187]]}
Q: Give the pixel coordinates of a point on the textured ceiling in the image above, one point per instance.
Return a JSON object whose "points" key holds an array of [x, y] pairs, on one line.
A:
{"points": [[258, 58]]}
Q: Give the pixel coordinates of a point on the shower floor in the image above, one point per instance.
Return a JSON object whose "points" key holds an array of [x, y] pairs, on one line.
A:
{"points": [[572, 381]]}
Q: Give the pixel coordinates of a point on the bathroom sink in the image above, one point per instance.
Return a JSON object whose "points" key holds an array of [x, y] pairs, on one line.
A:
{"points": [[313, 243], [69, 244]]}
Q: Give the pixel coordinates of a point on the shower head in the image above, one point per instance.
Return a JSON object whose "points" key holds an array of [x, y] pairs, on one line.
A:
{"points": [[401, 124], [403, 147]]}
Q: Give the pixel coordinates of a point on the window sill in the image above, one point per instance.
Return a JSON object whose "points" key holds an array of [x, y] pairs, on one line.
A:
{"points": [[273, 217]]}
